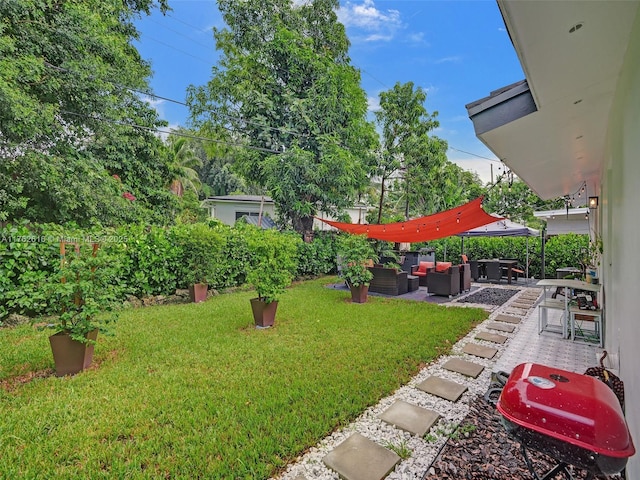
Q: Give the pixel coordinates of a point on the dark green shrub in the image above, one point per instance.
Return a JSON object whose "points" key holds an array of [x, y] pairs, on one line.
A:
{"points": [[273, 261], [29, 255], [565, 251], [233, 265], [150, 261], [81, 291], [200, 250], [317, 257], [355, 252]]}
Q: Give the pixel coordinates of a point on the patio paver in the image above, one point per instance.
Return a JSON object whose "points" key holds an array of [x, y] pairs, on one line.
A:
{"points": [[501, 327], [508, 319], [464, 367], [515, 311], [479, 350], [442, 388], [410, 418], [358, 458], [491, 337], [522, 305]]}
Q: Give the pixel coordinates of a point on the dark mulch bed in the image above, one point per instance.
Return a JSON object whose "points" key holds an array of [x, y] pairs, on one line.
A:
{"points": [[490, 296], [485, 451]]}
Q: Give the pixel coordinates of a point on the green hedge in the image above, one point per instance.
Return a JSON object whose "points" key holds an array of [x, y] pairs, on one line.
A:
{"points": [[153, 260], [560, 251], [150, 260]]}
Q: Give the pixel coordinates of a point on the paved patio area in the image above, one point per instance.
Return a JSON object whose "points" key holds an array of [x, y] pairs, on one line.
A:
{"points": [[401, 436]]}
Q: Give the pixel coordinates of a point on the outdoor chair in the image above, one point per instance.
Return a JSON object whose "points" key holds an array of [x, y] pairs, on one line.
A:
{"points": [[388, 281], [515, 271], [465, 277], [423, 269], [445, 283], [494, 271], [475, 270]]}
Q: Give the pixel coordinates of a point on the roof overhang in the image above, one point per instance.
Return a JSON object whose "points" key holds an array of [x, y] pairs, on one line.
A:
{"points": [[551, 130]]}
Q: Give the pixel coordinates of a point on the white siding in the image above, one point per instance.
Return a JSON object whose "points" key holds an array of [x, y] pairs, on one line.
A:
{"points": [[620, 226]]}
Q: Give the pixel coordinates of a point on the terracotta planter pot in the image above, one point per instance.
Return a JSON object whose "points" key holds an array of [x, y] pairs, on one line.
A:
{"points": [[71, 356], [264, 314], [359, 293], [198, 292]]}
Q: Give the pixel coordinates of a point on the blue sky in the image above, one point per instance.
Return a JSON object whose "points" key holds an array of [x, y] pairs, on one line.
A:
{"points": [[457, 51]]}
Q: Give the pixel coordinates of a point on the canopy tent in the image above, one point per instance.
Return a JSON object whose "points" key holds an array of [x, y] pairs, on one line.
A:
{"points": [[503, 227], [439, 225]]}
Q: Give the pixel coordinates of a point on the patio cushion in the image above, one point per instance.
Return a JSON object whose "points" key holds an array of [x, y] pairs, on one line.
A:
{"points": [[443, 266], [423, 267]]}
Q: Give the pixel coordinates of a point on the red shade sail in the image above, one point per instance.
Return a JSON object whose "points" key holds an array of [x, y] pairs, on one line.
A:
{"points": [[439, 225]]}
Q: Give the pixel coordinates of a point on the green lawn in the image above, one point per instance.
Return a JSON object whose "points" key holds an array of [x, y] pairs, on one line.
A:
{"points": [[195, 391]]}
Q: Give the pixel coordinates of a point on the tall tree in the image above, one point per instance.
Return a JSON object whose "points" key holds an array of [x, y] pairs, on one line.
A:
{"points": [[284, 89], [513, 198], [183, 164], [406, 144], [68, 75]]}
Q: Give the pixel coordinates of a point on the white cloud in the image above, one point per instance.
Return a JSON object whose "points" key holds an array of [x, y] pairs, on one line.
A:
{"points": [[418, 39], [377, 37], [375, 25], [373, 104], [156, 103], [451, 59]]}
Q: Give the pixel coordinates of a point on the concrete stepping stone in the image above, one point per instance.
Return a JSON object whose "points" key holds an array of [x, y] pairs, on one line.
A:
{"points": [[516, 311], [507, 319], [491, 337], [529, 296], [501, 327], [358, 458], [300, 477], [480, 350], [524, 306], [458, 365], [410, 418], [442, 388]]}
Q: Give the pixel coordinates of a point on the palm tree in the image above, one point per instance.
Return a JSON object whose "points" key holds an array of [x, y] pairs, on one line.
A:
{"points": [[183, 161]]}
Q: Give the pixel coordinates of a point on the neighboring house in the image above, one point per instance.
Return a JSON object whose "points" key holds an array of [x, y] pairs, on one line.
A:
{"points": [[230, 208], [574, 220], [575, 119]]}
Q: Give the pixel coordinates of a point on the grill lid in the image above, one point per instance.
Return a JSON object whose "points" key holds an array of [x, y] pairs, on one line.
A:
{"points": [[574, 408]]}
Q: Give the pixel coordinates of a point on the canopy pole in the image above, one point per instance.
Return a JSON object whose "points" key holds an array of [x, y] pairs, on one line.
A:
{"points": [[527, 265]]}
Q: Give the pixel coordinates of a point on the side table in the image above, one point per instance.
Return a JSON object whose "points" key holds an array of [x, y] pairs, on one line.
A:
{"points": [[577, 319], [413, 283]]}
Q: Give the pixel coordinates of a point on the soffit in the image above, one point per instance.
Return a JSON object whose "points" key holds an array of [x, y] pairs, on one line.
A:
{"points": [[572, 77]]}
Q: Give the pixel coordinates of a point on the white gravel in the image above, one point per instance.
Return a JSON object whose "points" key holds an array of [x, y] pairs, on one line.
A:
{"points": [[424, 450]]}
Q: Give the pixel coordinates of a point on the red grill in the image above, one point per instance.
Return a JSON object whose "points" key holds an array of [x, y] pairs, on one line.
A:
{"points": [[573, 418]]}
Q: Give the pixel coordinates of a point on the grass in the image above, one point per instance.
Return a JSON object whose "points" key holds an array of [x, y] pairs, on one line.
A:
{"points": [[195, 391]]}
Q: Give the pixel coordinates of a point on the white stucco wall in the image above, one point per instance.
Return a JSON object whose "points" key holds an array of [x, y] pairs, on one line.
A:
{"points": [[226, 211], [619, 219]]}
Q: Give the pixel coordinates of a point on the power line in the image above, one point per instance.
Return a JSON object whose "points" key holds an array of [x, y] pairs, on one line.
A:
{"points": [[177, 32], [176, 49], [231, 117], [170, 132], [475, 155], [178, 102]]}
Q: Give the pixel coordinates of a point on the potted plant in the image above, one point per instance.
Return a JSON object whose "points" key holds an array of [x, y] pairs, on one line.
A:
{"points": [[356, 253], [201, 247], [591, 259], [83, 302], [273, 262]]}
